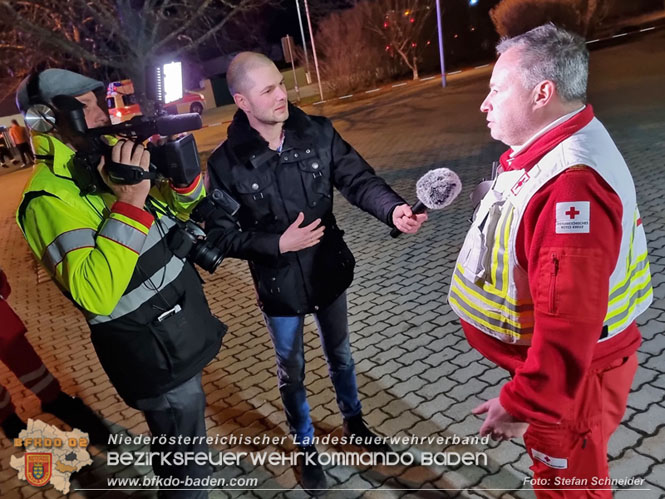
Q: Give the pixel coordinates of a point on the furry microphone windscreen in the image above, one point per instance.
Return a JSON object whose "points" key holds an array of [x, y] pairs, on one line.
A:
{"points": [[438, 188]]}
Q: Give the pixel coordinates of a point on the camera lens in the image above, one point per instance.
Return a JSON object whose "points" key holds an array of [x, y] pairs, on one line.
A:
{"points": [[207, 257]]}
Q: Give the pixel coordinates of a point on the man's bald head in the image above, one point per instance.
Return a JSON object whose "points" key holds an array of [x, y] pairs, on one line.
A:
{"points": [[236, 76], [258, 89]]}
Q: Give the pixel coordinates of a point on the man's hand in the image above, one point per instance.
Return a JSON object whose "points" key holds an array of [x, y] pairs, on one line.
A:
{"points": [[406, 221], [128, 153], [296, 238], [499, 424]]}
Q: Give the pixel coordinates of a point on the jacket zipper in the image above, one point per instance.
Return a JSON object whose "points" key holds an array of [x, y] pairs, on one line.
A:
{"points": [[286, 213], [555, 272]]}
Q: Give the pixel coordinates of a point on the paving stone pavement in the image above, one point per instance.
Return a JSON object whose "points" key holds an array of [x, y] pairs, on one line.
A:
{"points": [[416, 373]]}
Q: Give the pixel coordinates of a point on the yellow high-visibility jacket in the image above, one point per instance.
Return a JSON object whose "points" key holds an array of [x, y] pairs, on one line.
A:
{"points": [[89, 246], [114, 262]]}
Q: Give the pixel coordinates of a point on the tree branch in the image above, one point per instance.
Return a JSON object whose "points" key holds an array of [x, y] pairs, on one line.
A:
{"points": [[174, 35], [53, 39], [105, 18], [242, 7]]}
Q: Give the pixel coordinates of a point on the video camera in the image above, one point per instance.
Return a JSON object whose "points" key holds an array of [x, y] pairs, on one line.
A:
{"points": [[176, 160]]}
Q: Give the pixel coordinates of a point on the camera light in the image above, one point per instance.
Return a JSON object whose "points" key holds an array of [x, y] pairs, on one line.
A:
{"points": [[172, 81]]}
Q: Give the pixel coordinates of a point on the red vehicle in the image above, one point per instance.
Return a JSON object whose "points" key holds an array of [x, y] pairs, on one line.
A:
{"points": [[123, 105]]}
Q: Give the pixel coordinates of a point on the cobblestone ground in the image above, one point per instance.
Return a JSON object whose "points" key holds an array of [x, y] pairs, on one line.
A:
{"points": [[416, 373]]}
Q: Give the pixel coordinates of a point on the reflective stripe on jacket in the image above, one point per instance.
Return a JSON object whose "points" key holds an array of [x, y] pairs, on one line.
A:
{"points": [[150, 322], [490, 289], [89, 248]]}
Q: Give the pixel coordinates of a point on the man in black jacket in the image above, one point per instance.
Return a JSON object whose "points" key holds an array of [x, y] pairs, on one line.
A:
{"points": [[281, 165]]}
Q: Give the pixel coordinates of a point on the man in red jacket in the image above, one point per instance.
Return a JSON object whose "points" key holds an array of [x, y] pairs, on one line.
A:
{"points": [[19, 356], [554, 269]]}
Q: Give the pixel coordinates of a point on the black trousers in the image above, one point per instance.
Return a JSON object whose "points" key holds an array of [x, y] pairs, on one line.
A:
{"points": [[26, 152], [5, 154], [178, 412]]}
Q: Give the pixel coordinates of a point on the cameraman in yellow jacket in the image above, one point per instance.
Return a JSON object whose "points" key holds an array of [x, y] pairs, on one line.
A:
{"points": [[108, 247]]}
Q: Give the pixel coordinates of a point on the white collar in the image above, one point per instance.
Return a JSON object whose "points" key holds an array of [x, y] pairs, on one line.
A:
{"points": [[555, 123], [281, 141]]}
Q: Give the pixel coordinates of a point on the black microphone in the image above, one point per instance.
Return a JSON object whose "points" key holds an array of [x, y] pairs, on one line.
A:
{"points": [[173, 125], [143, 127], [435, 190]]}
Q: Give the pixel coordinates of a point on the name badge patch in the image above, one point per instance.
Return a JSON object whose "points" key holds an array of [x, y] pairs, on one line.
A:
{"points": [[572, 217], [558, 463]]}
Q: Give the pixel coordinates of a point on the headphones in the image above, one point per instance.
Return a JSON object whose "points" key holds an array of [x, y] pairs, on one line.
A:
{"points": [[39, 117]]}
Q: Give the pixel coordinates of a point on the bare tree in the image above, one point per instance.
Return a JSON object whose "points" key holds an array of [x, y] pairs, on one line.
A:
{"points": [[320, 9], [594, 12], [514, 17], [351, 57], [400, 23], [19, 51], [122, 36]]}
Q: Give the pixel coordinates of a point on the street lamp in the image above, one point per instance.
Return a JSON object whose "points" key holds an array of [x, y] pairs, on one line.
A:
{"points": [[311, 36], [304, 44], [440, 29]]}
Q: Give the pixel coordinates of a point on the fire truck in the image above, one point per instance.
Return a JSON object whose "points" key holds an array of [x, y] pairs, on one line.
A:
{"points": [[123, 104]]}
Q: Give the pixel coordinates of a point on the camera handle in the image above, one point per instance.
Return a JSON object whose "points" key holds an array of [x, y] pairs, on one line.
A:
{"points": [[121, 173]]}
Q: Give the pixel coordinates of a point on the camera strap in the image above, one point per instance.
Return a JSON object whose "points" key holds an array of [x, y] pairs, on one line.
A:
{"points": [[121, 173]]}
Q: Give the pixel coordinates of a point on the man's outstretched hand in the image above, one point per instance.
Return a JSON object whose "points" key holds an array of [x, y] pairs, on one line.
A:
{"points": [[406, 221]]}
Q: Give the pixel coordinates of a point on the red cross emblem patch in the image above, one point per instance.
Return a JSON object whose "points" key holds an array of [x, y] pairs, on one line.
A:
{"points": [[573, 217], [559, 463], [515, 189]]}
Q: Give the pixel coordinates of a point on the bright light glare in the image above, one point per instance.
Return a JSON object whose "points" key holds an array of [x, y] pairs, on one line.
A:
{"points": [[172, 82], [473, 2]]}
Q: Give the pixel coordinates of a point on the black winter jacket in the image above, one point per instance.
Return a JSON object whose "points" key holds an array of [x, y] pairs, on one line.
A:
{"points": [[272, 188]]}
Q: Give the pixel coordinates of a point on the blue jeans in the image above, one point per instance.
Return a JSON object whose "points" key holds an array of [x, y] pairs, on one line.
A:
{"points": [[287, 338]]}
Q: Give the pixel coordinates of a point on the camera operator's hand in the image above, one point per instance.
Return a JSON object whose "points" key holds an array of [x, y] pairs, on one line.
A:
{"points": [[128, 153], [296, 238]]}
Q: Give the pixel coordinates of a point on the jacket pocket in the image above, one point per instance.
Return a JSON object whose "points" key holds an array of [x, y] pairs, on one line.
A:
{"points": [[257, 194], [554, 273], [473, 255], [185, 333], [316, 182], [280, 289], [136, 364], [481, 238], [275, 281], [570, 283], [332, 262]]}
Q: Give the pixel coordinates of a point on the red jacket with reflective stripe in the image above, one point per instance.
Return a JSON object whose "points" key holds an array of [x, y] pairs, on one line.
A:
{"points": [[548, 373]]}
